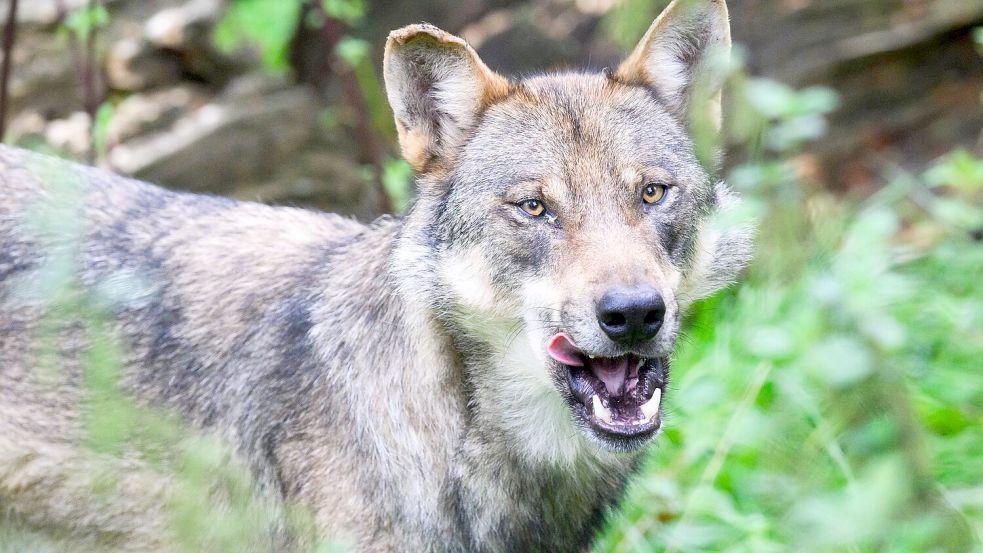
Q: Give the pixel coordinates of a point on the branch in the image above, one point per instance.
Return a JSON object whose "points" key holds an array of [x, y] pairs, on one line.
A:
{"points": [[8, 50], [85, 60], [369, 145]]}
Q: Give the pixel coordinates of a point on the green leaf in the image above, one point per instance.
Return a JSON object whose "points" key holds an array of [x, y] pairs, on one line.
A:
{"points": [[83, 21], [266, 24], [770, 342], [960, 169], [353, 51], [397, 178], [840, 361], [100, 129], [351, 12]]}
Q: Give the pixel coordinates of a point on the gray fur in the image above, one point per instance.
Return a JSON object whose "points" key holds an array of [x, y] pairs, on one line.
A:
{"points": [[389, 377]]}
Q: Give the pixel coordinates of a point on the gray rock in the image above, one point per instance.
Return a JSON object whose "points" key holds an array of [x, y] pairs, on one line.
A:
{"points": [[28, 125], [320, 178], [221, 144], [134, 64], [43, 76], [71, 135], [44, 12], [148, 112], [186, 26]]}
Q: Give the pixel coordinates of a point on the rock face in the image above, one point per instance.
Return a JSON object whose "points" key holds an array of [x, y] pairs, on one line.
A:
{"points": [[188, 115], [185, 114]]}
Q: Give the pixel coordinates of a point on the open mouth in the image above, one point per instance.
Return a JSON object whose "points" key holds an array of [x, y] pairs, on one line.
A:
{"points": [[620, 396]]}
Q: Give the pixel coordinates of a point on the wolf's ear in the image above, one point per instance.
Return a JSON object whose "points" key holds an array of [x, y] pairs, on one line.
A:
{"points": [[436, 85], [674, 58]]}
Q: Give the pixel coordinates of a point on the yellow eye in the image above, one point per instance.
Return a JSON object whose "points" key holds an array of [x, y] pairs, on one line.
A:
{"points": [[533, 207], [654, 193]]}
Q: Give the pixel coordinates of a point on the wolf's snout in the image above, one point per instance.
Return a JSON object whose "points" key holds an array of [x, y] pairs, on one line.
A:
{"points": [[630, 316]]}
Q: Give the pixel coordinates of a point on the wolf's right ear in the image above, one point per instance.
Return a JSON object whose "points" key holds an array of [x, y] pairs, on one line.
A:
{"points": [[436, 86]]}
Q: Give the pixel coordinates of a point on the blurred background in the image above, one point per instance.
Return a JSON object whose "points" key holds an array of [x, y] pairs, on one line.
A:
{"points": [[281, 99], [831, 402]]}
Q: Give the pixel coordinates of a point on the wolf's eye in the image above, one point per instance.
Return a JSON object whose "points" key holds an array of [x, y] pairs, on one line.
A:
{"points": [[654, 193], [533, 207]]}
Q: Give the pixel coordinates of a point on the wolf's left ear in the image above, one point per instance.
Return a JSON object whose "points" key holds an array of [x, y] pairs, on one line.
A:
{"points": [[673, 57], [437, 85]]}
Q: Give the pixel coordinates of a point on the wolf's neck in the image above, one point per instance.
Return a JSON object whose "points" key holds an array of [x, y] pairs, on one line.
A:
{"points": [[497, 448], [528, 477]]}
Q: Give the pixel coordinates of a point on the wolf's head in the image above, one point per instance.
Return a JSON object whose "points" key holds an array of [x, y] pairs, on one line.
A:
{"points": [[564, 222]]}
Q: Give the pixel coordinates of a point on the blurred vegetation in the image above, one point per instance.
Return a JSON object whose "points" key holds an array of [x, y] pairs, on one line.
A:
{"points": [[831, 402], [272, 25]]}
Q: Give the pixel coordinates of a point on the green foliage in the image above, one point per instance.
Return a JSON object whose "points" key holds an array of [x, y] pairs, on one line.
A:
{"points": [[959, 169], [100, 129], [351, 12], [630, 19], [268, 24], [82, 22], [357, 54], [397, 179]]}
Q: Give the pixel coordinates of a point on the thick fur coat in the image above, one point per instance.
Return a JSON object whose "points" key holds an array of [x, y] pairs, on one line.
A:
{"points": [[392, 378]]}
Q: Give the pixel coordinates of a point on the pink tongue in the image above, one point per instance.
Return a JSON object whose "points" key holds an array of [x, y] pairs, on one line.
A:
{"points": [[562, 348], [612, 371]]}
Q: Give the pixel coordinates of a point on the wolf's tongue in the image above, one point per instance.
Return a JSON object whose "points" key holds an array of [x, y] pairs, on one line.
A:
{"points": [[613, 371], [562, 348]]}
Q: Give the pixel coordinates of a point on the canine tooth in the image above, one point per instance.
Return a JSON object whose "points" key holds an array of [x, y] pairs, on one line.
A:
{"points": [[651, 407], [600, 411]]}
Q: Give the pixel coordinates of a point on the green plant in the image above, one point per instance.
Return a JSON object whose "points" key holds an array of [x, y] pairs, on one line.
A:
{"points": [[271, 25]]}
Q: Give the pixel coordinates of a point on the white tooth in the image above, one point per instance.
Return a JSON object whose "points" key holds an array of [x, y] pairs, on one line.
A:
{"points": [[651, 407], [600, 411]]}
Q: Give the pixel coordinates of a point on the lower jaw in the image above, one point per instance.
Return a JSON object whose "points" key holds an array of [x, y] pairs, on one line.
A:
{"points": [[615, 439], [628, 430], [645, 420], [638, 436]]}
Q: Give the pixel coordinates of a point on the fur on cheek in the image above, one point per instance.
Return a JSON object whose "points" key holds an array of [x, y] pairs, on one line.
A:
{"points": [[470, 281], [723, 248]]}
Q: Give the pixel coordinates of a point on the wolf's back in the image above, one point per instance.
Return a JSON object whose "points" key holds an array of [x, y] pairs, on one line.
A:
{"points": [[187, 280], [199, 290]]}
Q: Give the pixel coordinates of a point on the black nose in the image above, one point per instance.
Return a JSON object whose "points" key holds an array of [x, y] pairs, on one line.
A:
{"points": [[631, 315]]}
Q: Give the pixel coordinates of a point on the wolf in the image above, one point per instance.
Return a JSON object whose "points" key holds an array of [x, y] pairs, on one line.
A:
{"points": [[482, 374]]}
